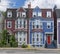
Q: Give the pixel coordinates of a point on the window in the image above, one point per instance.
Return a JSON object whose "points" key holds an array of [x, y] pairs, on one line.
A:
{"points": [[37, 26], [37, 35], [17, 14], [37, 39], [23, 14], [24, 24], [24, 39], [9, 14], [9, 24], [33, 25], [20, 39], [48, 13], [39, 13], [41, 25], [34, 14], [20, 24], [17, 24], [49, 25], [33, 39]]}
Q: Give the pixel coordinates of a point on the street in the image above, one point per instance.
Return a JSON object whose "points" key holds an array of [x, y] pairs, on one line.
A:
{"points": [[17, 51]]}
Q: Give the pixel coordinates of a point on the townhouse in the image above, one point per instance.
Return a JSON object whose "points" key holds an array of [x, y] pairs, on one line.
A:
{"points": [[41, 28]]}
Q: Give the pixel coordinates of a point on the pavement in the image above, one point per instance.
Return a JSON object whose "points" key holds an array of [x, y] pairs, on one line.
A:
{"points": [[29, 51]]}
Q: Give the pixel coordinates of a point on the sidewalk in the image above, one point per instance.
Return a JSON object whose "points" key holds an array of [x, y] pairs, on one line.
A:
{"points": [[27, 49]]}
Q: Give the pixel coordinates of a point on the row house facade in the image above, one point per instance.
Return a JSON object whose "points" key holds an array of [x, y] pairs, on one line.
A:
{"points": [[32, 26], [41, 28]]}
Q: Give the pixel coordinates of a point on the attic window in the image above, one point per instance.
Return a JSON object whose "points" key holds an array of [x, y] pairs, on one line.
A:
{"points": [[34, 14], [48, 25], [9, 14], [23, 14], [40, 14], [48, 13]]}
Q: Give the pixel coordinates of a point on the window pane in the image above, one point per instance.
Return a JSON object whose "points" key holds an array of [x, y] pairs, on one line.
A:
{"points": [[37, 26], [24, 39], [33, 39], [20, 39], [37, 39]]}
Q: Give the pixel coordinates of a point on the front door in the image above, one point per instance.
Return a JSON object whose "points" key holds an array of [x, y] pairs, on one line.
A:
{"points": [[48, 39]]}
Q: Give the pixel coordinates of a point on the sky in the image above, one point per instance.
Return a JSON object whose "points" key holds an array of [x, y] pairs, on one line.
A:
{"points": [[4, 4]]}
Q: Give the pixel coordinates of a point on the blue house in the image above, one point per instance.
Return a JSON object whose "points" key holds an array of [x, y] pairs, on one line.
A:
{"points": [[41, 29]]}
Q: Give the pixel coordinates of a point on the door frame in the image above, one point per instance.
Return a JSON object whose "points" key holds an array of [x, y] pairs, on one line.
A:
{"points": [[50, 38]]}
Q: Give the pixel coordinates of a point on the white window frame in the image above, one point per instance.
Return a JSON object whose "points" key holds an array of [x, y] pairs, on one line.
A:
{"points": [[22, 36], [48, 13], [41, 36], [26, 23], [40, 14], [17, 14], [37, 23], [41, 24], [33, 24], [9, 22], [9, 13], [49, 23], [23, 14], [35, 38], [34, 13], [20, 23]]}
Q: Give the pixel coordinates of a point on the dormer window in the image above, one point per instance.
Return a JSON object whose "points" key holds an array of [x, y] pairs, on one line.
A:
{"points": [[23, 14], [34, 14], [40, 14], [48, 25], [9, 14], [48, 13]]}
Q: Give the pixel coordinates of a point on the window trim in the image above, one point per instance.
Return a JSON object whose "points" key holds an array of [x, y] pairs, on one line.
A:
{"points": [[9, 13], [50, 25], [9, 22], [23, 14], [48, 14], [40, 14], [34, 14]]}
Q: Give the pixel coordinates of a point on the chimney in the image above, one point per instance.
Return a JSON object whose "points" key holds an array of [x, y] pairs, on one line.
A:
{"points": [[29, 5]]}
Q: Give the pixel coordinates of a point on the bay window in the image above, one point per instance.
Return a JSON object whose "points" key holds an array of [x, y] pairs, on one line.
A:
{"points": [[21, 23]]}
